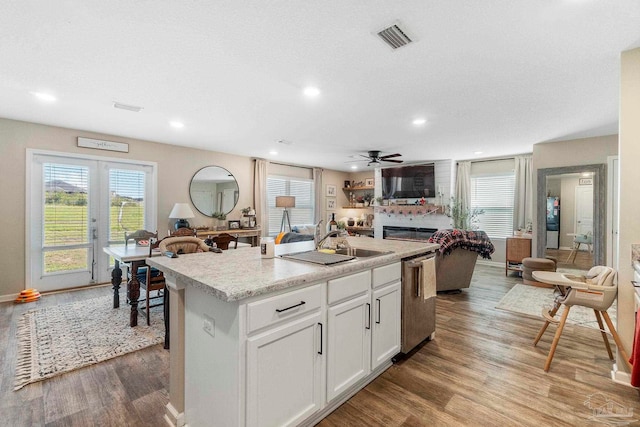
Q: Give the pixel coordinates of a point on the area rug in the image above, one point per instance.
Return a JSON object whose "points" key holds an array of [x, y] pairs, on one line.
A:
{"points": [[58, 339], [530, 300]]}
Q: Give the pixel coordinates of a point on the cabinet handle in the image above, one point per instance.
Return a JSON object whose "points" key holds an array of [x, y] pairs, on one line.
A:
{"points": [[320, 324], [368, 316], [378, 301], [280, 310]]}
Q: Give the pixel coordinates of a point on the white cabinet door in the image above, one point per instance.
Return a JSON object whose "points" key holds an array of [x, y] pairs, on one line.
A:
{"points": [[349, 344], [385, 341], [284, 377]]}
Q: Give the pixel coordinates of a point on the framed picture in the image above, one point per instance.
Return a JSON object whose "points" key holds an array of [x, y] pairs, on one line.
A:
{"points": [[331, 204], [368, 182], [347, 184], [234, 224], [331, 190]]}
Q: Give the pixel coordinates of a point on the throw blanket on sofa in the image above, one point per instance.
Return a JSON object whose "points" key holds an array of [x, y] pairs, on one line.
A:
{"points": [[476, 241]]}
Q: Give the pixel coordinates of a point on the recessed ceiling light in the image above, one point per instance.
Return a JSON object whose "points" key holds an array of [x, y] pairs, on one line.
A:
{"points": [[176, 124], [419, 121], [46, 97], [586, 173], [273, 152], [311, 91], [477, 153], [354, 167]]}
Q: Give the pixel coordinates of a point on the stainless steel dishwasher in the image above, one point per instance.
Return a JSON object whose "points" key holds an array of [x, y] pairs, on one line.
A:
{"points": [[418, 313]]}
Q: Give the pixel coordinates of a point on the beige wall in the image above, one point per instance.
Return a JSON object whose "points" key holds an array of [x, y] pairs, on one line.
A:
{"points": [[575, 152], [176, 166], [629, 226], [337, 178]]}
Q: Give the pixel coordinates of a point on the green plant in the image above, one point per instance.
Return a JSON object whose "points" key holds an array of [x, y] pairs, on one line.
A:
{"points": [[379, 200], [463, 218], [219, 215], [341, 225], [246, 210]]}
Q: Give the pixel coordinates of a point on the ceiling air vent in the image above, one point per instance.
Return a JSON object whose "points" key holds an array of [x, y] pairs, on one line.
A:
{"points": [[127, 107], [394, 36]]}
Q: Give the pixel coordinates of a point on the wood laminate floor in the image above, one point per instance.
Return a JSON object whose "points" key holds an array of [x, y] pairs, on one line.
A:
{"points": [[481, 370]]}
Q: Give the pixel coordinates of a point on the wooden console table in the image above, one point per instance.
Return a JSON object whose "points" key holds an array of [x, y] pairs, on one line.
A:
{"points": [[518, 248], [252, 233]]}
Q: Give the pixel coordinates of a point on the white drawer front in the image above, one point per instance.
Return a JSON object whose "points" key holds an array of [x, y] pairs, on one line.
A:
{"points": [[386, 274], [272, 310], [348, 286]]}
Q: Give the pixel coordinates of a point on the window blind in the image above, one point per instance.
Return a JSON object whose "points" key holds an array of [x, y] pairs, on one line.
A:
{"points": [[65, 219], [126, 202], [301, 189], [494, 194]]}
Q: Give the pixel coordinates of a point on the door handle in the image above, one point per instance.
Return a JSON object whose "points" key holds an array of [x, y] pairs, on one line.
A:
{"points": [[368, 316], [280, 310]]}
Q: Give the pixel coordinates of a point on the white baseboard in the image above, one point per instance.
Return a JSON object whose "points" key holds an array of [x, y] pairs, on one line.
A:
{"points": [[8, 298], [620, 377]]}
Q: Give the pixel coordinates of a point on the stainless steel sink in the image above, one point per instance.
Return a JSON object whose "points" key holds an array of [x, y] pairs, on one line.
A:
{"points": [[361, 253]]}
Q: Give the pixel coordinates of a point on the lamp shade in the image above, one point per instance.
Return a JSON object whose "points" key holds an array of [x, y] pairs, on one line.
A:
{"points": [[181, 211], [285, 202]]}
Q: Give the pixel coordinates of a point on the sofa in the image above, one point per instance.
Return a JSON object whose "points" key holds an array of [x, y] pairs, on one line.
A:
{"points": [[457, 256]]}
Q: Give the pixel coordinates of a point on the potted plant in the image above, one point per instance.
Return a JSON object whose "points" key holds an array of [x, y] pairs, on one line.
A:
{"points": [[220, 218], [248, 211], [463, 218], [368, 197]]}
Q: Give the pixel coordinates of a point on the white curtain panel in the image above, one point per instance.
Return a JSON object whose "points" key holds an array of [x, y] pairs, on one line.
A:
{"points": [[463, 184], [317, 183], [260, 171], [523, 196]]}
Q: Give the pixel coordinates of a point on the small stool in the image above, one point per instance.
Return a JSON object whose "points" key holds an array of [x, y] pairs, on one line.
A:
{"points": [[529, 265]]}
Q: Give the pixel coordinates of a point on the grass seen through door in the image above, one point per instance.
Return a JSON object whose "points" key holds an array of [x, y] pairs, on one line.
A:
{"points": [[66, 223]]}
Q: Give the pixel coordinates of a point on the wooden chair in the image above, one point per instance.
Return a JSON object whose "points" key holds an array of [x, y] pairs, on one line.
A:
{"points": [[598, 291], [177, 245], [151, 279], [183, 232], [139, 236], [223, 240], [580, 239]]}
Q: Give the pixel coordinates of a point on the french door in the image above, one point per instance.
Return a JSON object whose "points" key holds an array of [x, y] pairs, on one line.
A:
{"points": [[78, 205]]}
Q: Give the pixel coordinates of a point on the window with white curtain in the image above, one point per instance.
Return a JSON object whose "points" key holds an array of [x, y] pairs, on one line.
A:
{"points": [[494, 194], [301, 189]]}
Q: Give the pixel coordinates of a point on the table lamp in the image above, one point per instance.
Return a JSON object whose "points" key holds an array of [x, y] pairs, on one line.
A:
{"points": [[285, 202], [181, 211]]}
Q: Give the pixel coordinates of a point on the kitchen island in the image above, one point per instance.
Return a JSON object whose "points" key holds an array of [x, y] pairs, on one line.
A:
{"points": [[258, 341]]}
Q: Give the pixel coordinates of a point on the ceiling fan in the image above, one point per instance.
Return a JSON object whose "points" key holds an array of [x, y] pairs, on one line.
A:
{"points": [[375, 158]]}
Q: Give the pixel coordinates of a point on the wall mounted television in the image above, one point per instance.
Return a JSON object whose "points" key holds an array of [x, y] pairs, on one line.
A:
{"points": [[407, 182]]}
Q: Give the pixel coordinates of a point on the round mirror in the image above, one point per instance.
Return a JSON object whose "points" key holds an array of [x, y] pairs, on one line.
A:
{"points": [[213, 189]]}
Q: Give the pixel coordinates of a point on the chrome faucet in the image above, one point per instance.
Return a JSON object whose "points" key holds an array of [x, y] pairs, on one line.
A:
{"points": [[332, 233]]}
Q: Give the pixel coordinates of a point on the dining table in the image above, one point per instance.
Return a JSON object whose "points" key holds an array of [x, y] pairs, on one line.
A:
{"points": [[135, 257]]}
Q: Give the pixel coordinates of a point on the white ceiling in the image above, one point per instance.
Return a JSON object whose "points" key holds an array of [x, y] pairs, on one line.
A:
{"points": [[495, 76]]}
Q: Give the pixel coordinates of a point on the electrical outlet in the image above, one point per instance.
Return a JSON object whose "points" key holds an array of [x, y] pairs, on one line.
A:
{"points": [[208, 324]]}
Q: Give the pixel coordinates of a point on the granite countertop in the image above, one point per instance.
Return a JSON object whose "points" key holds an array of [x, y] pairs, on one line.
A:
{"points": [[241, 273]]}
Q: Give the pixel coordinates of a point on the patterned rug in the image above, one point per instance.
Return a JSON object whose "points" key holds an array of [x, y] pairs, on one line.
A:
{"points": [[530, 300], [58, 339]]}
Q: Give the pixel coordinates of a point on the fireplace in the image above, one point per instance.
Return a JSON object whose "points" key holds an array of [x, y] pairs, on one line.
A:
{"points": [[407, 233]]}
